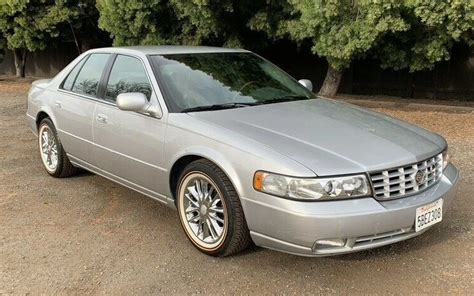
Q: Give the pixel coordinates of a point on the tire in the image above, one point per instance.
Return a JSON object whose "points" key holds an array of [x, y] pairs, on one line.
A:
{"points": [[59, 165], [230, 223]]}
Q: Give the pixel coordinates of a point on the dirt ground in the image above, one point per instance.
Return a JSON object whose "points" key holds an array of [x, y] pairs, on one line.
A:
{"points": [[87, 235]]}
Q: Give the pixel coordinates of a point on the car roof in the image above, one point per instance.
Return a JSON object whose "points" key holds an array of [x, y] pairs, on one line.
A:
{"points": [[166, 49]]}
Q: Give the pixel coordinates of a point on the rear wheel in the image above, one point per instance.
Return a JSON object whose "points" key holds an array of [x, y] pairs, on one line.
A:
{"points": [[210, 211], [52, 153]]}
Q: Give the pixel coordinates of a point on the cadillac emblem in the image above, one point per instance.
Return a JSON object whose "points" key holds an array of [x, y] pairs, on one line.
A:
{"points": [[420, 177]]}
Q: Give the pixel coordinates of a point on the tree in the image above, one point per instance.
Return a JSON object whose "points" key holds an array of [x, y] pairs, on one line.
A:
{"points": [[401, 33], [435, 26], [27, 25], [83, 28], [340, 30], [133, 22], [2, 48], [187, 22], [219, 22]]}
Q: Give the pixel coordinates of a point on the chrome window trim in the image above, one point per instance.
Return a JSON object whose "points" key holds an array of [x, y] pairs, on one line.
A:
{"points": [[103, 102], [154, 93], [85, 96]]}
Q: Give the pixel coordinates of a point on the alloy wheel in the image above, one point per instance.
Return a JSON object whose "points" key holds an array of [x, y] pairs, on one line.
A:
{"points": [[203, 210], [48, 148]]}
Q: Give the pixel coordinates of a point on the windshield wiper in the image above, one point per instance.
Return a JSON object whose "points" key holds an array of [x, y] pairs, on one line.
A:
{"points": [[286, 98], [217, 107]]}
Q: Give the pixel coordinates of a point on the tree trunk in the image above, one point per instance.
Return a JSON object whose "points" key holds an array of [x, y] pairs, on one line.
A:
{"points": [[75, 38], [20, 62], [85, 45], [331, 82]]}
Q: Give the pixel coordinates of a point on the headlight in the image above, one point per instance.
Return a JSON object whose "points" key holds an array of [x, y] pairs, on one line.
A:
{"points": [[327, 188], [445, 158]]}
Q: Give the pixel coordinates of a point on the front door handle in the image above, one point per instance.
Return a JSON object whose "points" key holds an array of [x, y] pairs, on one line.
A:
{"points": [[57, 104], [101, 118]]}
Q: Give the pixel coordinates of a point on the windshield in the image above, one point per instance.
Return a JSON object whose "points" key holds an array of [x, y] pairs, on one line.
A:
{"points": [[194, 82]]}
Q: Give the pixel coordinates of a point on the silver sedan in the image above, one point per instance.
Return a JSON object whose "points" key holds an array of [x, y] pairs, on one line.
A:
{"points": [[243, 151]]}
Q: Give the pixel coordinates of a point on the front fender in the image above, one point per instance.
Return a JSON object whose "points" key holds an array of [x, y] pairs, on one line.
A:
{"points": [[216, 157]]}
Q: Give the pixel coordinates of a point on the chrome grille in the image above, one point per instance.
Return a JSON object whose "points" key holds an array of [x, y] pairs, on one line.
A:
{"points": [[399, 182]]}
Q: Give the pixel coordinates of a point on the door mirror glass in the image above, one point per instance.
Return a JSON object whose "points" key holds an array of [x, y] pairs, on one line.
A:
{"points": [[306, 83], [133, 101]]}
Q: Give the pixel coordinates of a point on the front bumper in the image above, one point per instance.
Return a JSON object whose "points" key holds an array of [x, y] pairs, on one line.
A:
{"points": [[294, 226]]}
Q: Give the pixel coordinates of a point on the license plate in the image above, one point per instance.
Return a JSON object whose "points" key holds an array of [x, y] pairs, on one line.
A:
{"points": [[429, 215]]}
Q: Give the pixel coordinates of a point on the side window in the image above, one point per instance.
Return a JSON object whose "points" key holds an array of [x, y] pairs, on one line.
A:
{"points": [[69, 81], [87, 81], [127, 75]]}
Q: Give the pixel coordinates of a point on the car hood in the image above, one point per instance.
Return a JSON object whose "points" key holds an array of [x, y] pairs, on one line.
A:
{"points": [[330, 137]]}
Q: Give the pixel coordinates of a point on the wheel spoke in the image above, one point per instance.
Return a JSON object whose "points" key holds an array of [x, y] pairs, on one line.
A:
{"points": [[215, 201], [191, 209], [194, 192], [197, 185], [216, 210], [216, 218], [211, 228], [193, 202], [194, 219], [205, 230], [210, 193], [45, 137], [200, 229], [205, 189]]}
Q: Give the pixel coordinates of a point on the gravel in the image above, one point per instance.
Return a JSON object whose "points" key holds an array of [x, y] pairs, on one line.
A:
{"points": [[87, 235]]}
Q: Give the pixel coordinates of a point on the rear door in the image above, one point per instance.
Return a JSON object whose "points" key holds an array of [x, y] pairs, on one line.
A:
{"points": [[129, 145], [74, 106]]}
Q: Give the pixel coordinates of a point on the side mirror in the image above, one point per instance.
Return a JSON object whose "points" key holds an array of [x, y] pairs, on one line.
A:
{"points": [[137, 102], [306, 83]]}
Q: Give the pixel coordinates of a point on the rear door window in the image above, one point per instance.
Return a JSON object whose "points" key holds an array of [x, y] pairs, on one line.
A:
{"points": [[87, 81], [69, 81]]}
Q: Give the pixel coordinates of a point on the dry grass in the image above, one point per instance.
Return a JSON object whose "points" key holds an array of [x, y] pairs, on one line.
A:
{"points": [[15, 85]]}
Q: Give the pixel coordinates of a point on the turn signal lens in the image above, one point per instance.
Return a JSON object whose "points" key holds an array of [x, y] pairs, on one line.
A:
{"points": [[258, 181]]}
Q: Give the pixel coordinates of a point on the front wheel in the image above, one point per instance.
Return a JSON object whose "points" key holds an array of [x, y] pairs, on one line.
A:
{"points": [[210, 211]]}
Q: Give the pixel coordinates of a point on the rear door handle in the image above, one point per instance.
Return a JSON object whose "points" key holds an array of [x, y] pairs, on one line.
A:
{"points": [[101, 118], [57, 104]]}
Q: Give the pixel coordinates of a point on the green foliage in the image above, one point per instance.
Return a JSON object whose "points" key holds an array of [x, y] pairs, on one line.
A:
{"points": [[200, 19], [188, 22], [412, 34], [340, 30], [434, 27], [29, 24], [132, 22]]}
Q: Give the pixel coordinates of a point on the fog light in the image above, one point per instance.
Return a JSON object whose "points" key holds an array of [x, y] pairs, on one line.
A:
{"points": [[337, 242]]}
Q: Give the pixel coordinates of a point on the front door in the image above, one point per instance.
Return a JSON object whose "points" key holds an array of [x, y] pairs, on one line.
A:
{"points": [[129, 145]]}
